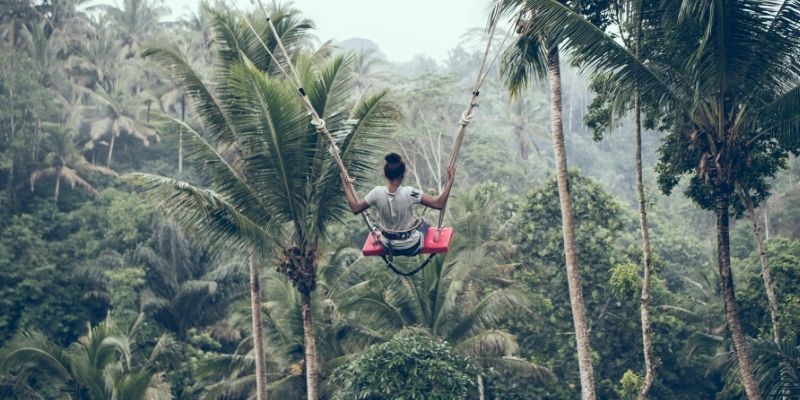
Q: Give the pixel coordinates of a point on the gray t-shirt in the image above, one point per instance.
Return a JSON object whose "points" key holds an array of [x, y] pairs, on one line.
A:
{"points": [[395, 211]]}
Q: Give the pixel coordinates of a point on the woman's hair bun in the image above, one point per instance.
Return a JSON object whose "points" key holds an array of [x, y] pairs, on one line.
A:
{"points": [[393, 158]]}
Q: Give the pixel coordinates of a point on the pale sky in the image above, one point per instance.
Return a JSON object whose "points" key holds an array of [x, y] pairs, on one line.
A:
{"points": [[401, 29]]}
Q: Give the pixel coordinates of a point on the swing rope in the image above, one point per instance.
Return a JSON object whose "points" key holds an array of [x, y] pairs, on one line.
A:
{"points": [[317, 121], [333, 149]]}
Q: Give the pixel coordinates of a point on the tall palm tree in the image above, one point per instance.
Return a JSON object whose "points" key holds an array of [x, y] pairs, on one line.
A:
{"points": [[64, 161], [135, 20], [274, 182], [731, 104], [629, 20], [118, 112], [535, 53], [338, 335]]}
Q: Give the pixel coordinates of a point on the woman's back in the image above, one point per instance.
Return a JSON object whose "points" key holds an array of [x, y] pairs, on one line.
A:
{"points": [[395, 209]]}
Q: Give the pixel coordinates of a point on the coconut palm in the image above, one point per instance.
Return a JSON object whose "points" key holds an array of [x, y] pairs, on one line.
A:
{"points": [[274, 184], [535, 54], [135, 20], [338, 336], [183, 277], [64, 161], [731, 104], [118, 112], [630, 20], [97, 366]]}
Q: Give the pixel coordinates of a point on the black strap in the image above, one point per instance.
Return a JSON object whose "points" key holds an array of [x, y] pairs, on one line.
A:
{"points": [[414, 271], [395, 269]]}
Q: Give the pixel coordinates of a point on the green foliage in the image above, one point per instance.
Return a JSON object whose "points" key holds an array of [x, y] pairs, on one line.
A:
{"points": [[124, 285], [629, 386], [71, 82], [407, 367], [96, 367], [625, 280], [784, 263]]}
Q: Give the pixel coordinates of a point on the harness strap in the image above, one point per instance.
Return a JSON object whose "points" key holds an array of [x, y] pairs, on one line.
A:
{"points": [[414, 271]]}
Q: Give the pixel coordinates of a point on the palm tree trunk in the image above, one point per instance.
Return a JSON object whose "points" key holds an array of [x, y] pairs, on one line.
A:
{"points": [[647, 340], [10, 139], [180, 150], [567, 221], [311, 349], [765, 274], [58, 186], [258, 337], [729, 298], [481, 391], [180, 135], [110, 150]]}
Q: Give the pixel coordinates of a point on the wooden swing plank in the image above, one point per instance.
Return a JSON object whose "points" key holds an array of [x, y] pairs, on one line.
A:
{"points": [[429, 247]]}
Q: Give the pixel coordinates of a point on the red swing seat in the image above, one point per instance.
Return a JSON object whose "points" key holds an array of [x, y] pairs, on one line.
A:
{"points": [[429, 247]]}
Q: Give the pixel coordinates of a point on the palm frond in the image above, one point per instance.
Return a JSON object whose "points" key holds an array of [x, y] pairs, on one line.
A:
{"points": [[372, 119], [783, 118], [274, 138], [489, 343], [206, 105], [491, 309], [519, 367], [590, 47], [35, 349], [202, 211], [235, 388], [228, 182], [523, 60]]}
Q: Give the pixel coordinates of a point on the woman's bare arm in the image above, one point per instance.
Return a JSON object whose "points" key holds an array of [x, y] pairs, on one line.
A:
{"points": [[440, 201], [356, 206]]}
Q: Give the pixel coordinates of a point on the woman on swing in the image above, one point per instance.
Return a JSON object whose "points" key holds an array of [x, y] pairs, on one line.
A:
{"points": [[394, 203]]}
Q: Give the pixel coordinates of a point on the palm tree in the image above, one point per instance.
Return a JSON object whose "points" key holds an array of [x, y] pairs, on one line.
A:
{"points": [[274, 182], [769, 287], [183, 277], [119, 113], [629, 20], [732, 115], [64, 161], [536, 53], [96, 367], [777, 366], [367, 65], [135, 21], [338, 336]]}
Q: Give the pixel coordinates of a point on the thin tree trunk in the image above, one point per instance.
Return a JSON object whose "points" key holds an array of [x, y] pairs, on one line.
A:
{"points": [[180, 135], [729, 299], [647, 340], [58, 186], [481, 389], [258, 337], [110, 149], [311, 349], [10, 182], [765, 274], [567, 221]]}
